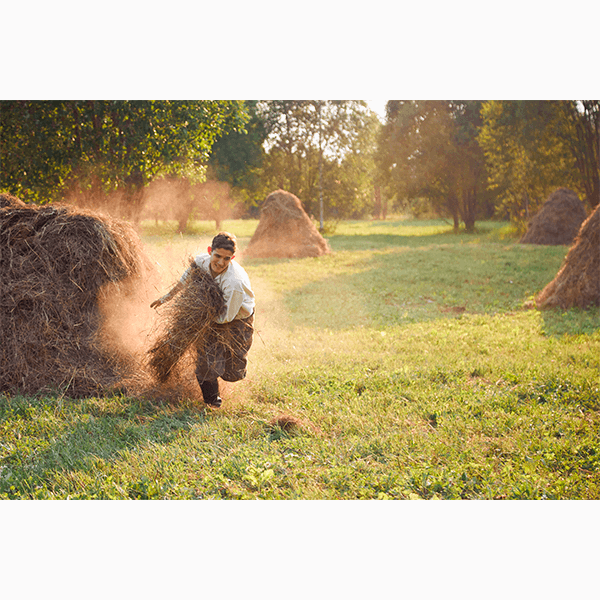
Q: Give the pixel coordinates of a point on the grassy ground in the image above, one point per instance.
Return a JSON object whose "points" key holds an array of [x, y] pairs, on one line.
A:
{"points": [[404, 365]]}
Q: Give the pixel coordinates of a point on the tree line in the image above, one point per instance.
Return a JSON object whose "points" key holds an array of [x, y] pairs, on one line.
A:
{"points": [[497, 158], [465, 160]]}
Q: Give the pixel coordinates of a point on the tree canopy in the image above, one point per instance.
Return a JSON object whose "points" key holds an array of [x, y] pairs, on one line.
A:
{"points": [[465, 156], [238, 157], [534, 147], [430, 148], [321, 149], [466, 159], [98, 146]]}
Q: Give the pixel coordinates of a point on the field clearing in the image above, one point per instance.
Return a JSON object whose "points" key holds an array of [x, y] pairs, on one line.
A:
{"points": [[404, 365]]}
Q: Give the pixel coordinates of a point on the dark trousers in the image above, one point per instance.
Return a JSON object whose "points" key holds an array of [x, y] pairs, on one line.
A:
{"points": [[225, 351]]}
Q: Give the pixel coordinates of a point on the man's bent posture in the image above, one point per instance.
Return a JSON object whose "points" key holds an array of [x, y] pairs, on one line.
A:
{"points": [[229, 341]]}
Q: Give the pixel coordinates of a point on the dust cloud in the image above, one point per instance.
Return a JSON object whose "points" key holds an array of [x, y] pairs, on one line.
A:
{"points": [[167, 198]]}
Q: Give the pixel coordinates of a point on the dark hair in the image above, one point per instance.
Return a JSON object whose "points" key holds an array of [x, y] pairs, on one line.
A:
{"points": [[225, 240]]}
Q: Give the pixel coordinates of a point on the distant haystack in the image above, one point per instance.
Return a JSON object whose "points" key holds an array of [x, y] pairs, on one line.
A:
{"points": [[577, 284], [285, 230], [558, 221]]}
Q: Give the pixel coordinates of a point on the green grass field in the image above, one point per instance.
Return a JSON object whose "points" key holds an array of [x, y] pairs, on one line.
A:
{"points": [[404, 365]]}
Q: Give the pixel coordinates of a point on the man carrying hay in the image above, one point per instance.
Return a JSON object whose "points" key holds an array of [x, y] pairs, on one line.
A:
{"points": [[227, 342]]}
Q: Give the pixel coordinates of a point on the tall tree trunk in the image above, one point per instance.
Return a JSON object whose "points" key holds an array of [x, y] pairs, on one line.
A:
{"points": [[377, 195], [77, 122], [185, 204], [133, 196], [452, 204], [321, 225], [586, 147], [469, 209]]}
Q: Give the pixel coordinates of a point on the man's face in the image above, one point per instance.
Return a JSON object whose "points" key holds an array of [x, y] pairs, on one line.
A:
{"points": [[219, 260]]}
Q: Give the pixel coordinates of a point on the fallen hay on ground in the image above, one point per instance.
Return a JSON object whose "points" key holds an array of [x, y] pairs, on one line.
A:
{"points": [[577, 284], [285, 230], [185, 323], [56, 264], [558, 221]]}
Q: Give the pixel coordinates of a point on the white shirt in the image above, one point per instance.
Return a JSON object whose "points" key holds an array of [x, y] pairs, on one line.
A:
{"points": [[235, 285]]}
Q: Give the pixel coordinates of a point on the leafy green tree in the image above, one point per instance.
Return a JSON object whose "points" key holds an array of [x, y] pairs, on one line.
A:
{"points": [[52, 148], [583, 139], [526, 159], [534, 147], [312, 150], [395, 146], [430, 149], [351, 192], [237, 158]]}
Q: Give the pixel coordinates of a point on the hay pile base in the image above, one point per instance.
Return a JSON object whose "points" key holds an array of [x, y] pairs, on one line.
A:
{"points": [[285, 230], [185, 324], [55, 261], [577, 284], [558, 221], [9, 201]]}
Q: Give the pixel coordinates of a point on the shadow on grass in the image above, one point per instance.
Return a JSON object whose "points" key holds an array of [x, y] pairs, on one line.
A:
{"points": [[380, 241], [382, 234], [412, 282], [91, 433], [574, 321]]}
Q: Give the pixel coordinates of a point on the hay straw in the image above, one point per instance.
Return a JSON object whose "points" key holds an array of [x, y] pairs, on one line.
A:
{"points": [[55, 261], [9, 201], [285, 230], [577, 284], [558, 221], [186, 322]]}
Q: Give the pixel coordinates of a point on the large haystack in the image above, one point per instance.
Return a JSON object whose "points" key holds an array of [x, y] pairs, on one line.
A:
{"points": [[558, 221], [55, 263], [285, 230], [577, 284]]}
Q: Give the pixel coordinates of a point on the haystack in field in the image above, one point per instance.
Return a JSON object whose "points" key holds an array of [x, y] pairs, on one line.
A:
{"points": [[558, 221], [185, 323], [285, 230], [577, 284], [56, 263]]}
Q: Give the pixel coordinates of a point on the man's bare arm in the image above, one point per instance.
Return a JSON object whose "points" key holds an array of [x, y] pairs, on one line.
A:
{"points": [[172, 292]]}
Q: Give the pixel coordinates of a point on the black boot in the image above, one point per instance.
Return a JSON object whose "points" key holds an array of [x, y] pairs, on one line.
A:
{"points": [[210, 391]]}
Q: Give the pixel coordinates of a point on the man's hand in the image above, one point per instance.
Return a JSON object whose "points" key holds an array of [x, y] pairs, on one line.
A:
{"points": [[176, 289]]}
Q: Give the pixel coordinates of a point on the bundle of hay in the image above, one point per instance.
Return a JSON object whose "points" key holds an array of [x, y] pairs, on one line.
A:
{"points": [[558, 221], [285, 230], [55, 263], [577, 284], [186, 322]]}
